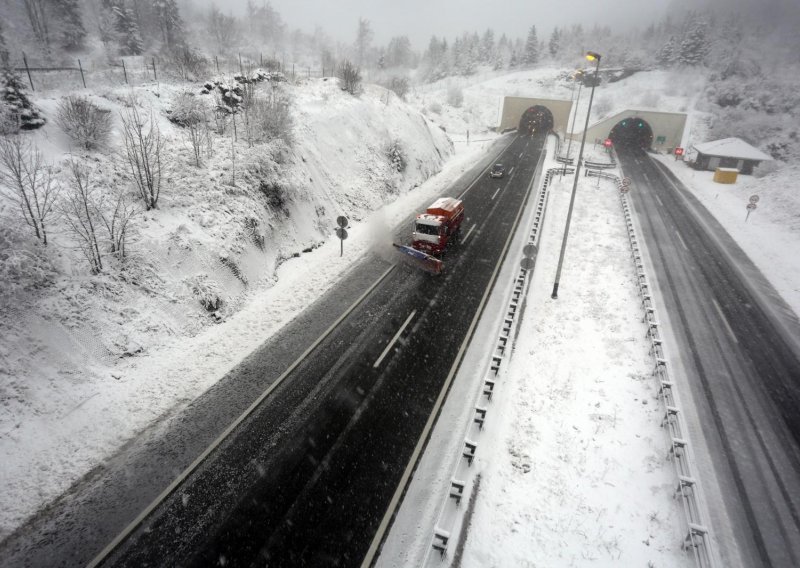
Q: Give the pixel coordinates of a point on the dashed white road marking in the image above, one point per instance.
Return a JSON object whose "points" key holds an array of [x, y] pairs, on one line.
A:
{"points": [[659, 201], [394, 339], [496, 192], [469, 233], [725, 321], [680, 238]]}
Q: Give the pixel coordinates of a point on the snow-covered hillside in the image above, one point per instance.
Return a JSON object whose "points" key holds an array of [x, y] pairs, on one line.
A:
{"points": [[77, 344]]}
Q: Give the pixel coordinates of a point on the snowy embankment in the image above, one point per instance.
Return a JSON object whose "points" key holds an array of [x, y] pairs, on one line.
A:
{"points": [[86, 361], [771, 234]]}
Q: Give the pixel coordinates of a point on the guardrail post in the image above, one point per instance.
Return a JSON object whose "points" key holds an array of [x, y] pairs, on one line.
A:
{"points": [[480, 417], [469, 451], [456, 490]]}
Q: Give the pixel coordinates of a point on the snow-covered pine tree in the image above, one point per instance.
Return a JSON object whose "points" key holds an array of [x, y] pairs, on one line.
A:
{"points": [[696, 45], [668, 53], [555, 43], [22, 109], [487, 47], [531, 56], [170, 21], [130, 38], [71, 31]]}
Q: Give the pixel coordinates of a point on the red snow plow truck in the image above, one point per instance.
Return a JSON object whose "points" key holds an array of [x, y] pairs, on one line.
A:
{"points": [[438, 226], [434, 230]]}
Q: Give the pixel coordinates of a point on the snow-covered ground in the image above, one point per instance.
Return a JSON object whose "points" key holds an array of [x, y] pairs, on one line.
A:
{"points": [[575, 477]]}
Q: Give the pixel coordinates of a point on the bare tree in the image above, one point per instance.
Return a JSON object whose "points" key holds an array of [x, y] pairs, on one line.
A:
{"points": [[350, 75], [37, 15], [117, 221], [190, 112], [222, 28], [84, 122], [82, 214], [28, 182], [144, 153]]}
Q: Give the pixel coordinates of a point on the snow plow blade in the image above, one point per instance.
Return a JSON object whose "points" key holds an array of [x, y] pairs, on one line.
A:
{"points": [[418, 258]]}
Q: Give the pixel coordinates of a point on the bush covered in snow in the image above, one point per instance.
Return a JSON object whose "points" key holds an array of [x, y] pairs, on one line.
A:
{"points": [[84, 122], [396, 156], [350, 77]]}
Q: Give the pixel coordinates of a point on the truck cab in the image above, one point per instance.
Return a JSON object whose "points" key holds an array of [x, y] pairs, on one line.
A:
{"points": [[438, 226]]}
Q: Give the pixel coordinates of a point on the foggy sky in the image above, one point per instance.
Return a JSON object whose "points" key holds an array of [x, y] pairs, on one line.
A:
{"points": [[420, 19]]}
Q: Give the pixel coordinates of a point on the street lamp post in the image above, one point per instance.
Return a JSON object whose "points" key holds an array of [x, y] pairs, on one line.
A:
{"points": [[591, 56], [578, 75]]}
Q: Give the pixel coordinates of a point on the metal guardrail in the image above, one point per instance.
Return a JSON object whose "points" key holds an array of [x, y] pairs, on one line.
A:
{"points": [[697, 537], [463, 484]]}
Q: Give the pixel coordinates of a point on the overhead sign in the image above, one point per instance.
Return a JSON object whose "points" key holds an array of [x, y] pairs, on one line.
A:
{"points": [[661, 139]]}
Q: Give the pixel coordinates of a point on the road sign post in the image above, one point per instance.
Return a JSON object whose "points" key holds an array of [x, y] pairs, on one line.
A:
{"points": [[750, 208], [341, 232]]}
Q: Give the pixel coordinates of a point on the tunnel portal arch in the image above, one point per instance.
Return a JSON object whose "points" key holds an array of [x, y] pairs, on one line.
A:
{"points": [[534, 119], [632, 132]]}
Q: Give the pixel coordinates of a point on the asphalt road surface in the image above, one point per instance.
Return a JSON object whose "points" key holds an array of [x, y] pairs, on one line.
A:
{"points": [[306, 479], [738, 349]]}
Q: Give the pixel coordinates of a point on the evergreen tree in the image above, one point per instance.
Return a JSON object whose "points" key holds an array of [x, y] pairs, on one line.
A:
{"points": [[487, 47], [72, 33], [531, 55], [666, 56], [128, 30], [170, 21], [696, 46], [22, 109], [363, 39], [555, 43]]}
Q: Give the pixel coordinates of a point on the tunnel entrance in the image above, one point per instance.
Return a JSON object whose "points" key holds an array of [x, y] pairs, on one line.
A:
{"points": [[632, 132], [535, 119]]}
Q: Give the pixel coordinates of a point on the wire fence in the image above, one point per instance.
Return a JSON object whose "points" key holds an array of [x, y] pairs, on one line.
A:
{"points": [[44, 75]]}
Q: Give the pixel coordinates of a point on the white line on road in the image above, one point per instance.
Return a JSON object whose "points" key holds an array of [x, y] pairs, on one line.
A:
{"points": [[496, 192], [680, 238], [725, 321], [645, 176], [394, 339], [659, 201], [520, 154], [110, 547], [469, 233], [511, 171]]}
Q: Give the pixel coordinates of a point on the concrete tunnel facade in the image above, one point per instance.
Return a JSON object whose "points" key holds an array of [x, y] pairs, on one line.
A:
{"points": [[667, 127]]}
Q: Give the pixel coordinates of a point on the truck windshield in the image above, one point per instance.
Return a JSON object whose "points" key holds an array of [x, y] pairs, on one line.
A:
{"points": [[427, 229]]}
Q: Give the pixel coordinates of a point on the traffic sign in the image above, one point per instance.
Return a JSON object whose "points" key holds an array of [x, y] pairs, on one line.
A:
{"points": [[679, 151], [341, 233], [527, 263], [341, 220], [754, 198], [751, 206], [626, 181], [625, 188], [529, 250], [607, 143]]}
